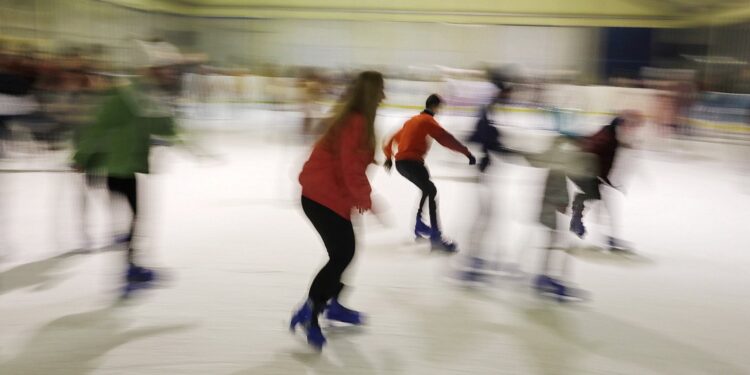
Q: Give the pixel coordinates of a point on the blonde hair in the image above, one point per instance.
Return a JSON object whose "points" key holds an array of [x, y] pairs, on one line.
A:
{"points": [[362, 96]]}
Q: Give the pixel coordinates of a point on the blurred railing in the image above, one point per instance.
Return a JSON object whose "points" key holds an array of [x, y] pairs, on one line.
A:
{"points": [[718, 116]]}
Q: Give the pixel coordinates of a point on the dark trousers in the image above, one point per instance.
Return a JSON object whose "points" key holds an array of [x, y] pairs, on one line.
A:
{"points": [[338, 237], [417, 173], [126, 187], [4, 126], [590, 188], [4, 132]]}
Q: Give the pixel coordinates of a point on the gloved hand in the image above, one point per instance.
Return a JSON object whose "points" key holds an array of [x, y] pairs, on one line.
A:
{"points": [[388, 165], [472, 159], [484, 163]]}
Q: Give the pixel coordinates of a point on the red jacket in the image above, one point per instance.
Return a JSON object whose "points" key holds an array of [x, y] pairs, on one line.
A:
{"points": [[334, 175], [412, 139]]}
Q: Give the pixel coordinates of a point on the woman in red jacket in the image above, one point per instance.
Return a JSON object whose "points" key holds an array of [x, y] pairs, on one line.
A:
{"points": [[333, 183]]}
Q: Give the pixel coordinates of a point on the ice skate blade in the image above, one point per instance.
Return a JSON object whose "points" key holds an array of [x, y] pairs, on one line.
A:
{"points": [[443, 251], [574, 297], [621, 250], [131, 289]]}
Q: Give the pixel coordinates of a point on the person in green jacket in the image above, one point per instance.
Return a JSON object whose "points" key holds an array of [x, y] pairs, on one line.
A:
{"points": [[117, 143]]}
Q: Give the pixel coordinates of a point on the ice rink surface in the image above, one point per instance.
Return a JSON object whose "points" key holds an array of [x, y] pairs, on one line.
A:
{"points": [[238, 256]]}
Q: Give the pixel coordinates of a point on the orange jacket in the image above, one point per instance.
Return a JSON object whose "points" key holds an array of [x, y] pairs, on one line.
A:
{"points": [[412, 139], [334, 175]]}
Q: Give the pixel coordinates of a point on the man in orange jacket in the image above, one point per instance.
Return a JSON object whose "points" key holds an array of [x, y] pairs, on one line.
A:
{"points": [[412, 141]]}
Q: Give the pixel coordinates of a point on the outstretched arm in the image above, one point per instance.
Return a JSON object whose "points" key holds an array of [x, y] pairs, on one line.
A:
{"points": [[447, 139]]}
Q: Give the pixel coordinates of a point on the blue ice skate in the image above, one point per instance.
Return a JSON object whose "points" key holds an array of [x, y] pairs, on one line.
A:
{"points": [[123, 238], [546, 285], [474, 272], [576, 226], [315, 336], [422, 230], [338, 313], [138, 278], [304, 317], [441, 244]]}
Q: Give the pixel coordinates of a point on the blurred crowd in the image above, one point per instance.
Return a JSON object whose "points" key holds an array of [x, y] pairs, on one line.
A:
{"points": [[47, 96]]}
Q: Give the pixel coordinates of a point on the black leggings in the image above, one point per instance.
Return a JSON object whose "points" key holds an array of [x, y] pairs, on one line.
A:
{"points": [[417, 173], [126, 186], [338, 236], [590, 188]]}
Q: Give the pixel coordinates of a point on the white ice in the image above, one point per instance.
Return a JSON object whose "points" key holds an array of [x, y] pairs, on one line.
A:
{"points": [[239, 255]]}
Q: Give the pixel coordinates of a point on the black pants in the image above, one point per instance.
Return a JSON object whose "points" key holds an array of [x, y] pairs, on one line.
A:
{"points": [[417, 173], [126, 187], [4, 132], [590, 187], [338, 236]]}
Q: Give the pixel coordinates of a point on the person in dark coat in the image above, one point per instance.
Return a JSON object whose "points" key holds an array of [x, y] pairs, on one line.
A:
{"points": [[604, 144]]}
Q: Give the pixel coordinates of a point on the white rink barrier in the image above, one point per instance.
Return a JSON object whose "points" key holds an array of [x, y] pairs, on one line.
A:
{"points": [[409, 94], [574, 106]]}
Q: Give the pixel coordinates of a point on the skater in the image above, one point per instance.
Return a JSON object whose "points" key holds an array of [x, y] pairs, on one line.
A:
{"points": [[333, 184], [604, 144], [486, 134], [118, 142], [488, 138], [412, 143], [74, 103], [563, 160]]}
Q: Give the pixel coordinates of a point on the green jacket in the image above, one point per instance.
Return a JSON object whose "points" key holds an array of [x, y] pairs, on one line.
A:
{"points": [[119, 140]]}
